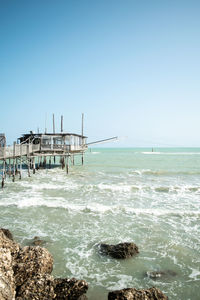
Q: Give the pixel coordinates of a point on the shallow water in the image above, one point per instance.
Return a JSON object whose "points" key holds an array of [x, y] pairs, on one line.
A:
{"points": [[150, 198]]}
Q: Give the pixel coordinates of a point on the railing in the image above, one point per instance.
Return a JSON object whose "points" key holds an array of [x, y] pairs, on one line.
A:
{"points": [[28, 149], [18, 150], [55, 147]]}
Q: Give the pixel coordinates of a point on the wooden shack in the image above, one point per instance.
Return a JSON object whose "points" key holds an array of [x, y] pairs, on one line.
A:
{"points": [[55, 142]]}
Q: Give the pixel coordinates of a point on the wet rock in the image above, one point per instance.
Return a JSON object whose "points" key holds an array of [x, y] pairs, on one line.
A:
{"points": [[25, 274], [37, 241], [7, 233], [39, 287], [70, 289], [159, 274], [30, 262], [7, 285], [134, 294], [120, 251], [7, 243]]}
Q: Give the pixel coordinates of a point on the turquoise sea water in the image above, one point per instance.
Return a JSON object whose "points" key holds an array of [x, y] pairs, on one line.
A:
{"points": [[150, 198]]}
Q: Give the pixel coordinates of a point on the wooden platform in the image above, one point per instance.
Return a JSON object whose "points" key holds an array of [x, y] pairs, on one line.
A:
{"points": [[34, 149]]}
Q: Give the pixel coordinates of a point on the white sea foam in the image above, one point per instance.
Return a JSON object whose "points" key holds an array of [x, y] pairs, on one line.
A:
{"points": [[42, 186], [170, 153], [114, 188], [96, 208], [195, 274]]}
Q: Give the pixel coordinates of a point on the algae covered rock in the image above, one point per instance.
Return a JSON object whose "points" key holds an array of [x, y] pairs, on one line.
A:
{"points": [[30, 262], [160, 274], [120, 251], [71, 289], [39, 287], [134, 294]]}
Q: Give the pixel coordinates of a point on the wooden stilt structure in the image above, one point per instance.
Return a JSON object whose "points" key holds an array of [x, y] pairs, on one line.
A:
{"points": [[32, 151]]}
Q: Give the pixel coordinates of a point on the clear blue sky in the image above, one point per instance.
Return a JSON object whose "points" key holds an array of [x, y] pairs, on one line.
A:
{"points": [[133, 68]]}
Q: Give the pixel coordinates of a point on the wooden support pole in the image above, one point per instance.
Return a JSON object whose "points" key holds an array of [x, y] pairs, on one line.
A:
{"points": [[67, 164], [63, 162], [14, 145], [37, 168], [20, 168], [61, 124], [16, 166], [20, 172], [28, 161], [82, 126], [45, 161], [6, 171], [9, 172], [33, 159], [40, 160], [29, 164], [49, 162], [3, 174], [82, 159], [53, 124]]}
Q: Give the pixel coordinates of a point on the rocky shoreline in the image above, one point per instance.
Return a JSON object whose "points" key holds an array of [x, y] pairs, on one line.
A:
{"points": [[25, 274]]}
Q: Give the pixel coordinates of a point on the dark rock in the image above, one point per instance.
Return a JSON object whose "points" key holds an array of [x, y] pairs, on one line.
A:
{"points": [[7, 233], [70, 289], [122, 250], [159, 274], [30, 262], [134, 294], [37, 242], [39, 287]]}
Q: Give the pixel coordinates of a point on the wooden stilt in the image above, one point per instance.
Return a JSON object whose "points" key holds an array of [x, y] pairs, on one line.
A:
{"points": [[3, 175], [9, 172], [16, 166], [20, 172], [49, 162], [82, 159], [5, 169], [63, 162], [37, 167], [13, 179], [45, 161], [20, 167], [40, 159], [28, 161], [67, 164], [33, 165], [14, 145]]}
